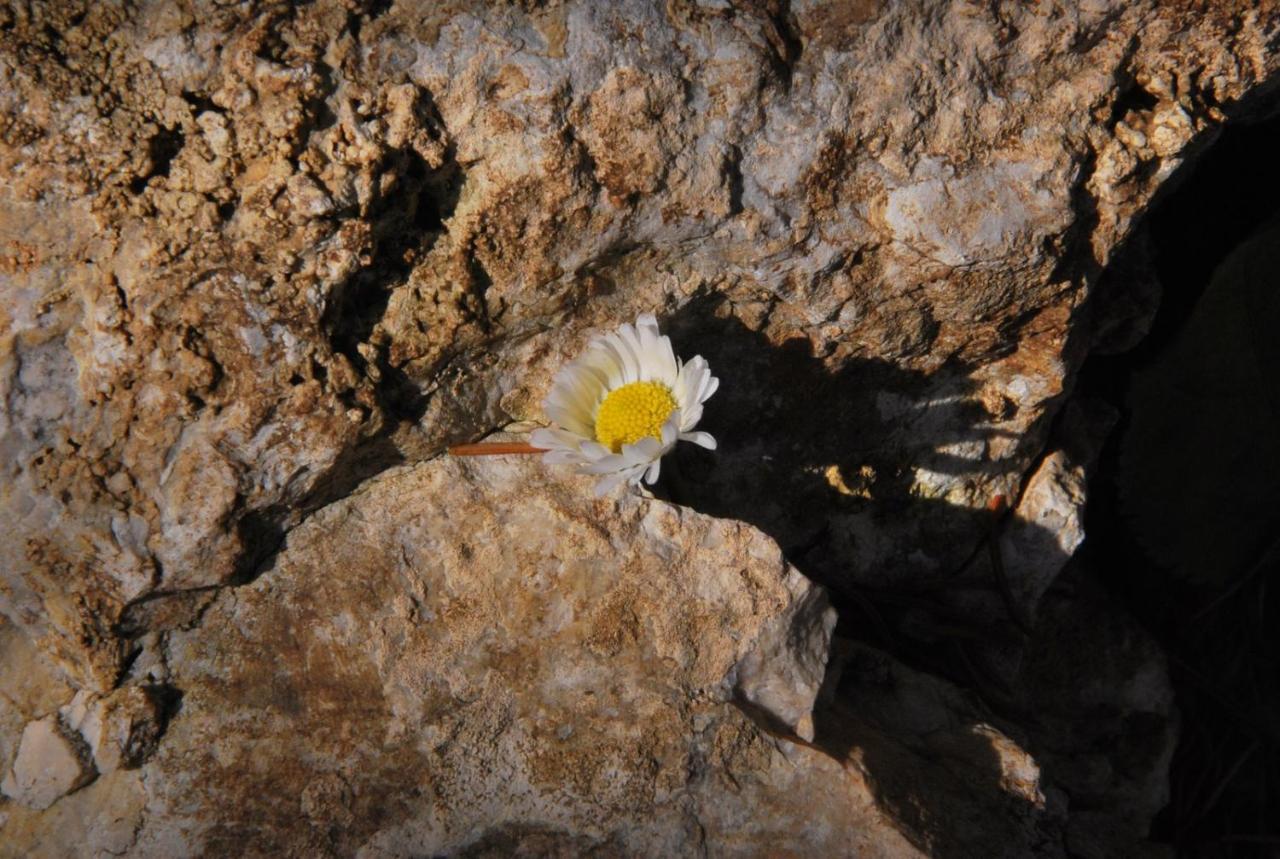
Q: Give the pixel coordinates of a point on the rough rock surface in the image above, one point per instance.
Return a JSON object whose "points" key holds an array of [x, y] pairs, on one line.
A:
{"points": [[416, 678], [253, 254], [50, 764]]}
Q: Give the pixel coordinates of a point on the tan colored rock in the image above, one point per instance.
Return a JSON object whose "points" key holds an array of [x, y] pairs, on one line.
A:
{"points": [[238, 281], [1047, 526], [31, 687], [32, 684], [253, 255], [120, 730], [799, 640], [524, 656], [100, 819], [50, 764]]}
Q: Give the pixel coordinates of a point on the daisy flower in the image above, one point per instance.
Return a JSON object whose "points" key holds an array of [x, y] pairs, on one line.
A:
{"points": [[623, 404]]}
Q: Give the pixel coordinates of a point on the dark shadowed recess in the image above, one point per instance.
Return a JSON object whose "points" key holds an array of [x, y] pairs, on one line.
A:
{"points": [[1219, 627], [794, 439], [801, 447], [407, 217], [784, 421]]}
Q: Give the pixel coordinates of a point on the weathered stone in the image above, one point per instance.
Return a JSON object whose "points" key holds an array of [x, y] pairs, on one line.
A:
{"points": [[799, 640], [524, 659], [100, 819], [122, 729], [32, 684], [949, 773], [253, 255], [1047, 526], [30, 688], [230, 276], [50, 764], [1105, 726]]}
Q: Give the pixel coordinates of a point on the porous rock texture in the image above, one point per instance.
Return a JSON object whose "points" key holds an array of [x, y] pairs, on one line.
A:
{"points": [[413, 678], [254, 255]]}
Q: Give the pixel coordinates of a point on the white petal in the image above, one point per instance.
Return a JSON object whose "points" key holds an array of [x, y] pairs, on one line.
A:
{"points": [[544, 438], [594, 450], [643, 452], [593, 375], [630, 335], [571, 401], [609, 481], [567, 413], [658, 359], [562, 457], [702, 439], [600, 358], [626, 357], [691, 418], [607, 464], [713, 384], [642, 343], [651, 475], [702, 379], [670, 368], [579, 378], [696, 376], [694, 369], [670, 431], [680, 388]]}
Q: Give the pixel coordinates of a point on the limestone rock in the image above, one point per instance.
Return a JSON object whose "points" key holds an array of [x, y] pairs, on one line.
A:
{"points": [[799, 640], [100, 819], [122, 729], [958, 780], [1106, 726], [254, 255], [1047, 526], [411, 675], [50, 764], [32, 688], [251, 256]]}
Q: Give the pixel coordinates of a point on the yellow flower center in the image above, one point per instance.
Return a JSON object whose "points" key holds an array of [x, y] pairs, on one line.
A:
{"points": [[633, 412]]}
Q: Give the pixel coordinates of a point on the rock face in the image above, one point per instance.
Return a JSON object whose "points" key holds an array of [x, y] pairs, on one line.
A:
{"points": [[49, 764], [252, 256], [414, 678]]}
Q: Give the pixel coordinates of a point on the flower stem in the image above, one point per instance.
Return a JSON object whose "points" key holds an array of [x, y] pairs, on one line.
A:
{"points": [[493, 448]]}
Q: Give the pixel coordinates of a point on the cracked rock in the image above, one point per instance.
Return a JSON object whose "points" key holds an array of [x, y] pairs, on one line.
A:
{"points": [[523, 658], [251, 256], [51, 763], [121, 729], [254, 255]]}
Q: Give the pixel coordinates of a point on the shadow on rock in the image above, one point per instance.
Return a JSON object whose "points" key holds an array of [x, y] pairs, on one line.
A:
{"points": [[829, 464], [803, 449], [955, 784]]}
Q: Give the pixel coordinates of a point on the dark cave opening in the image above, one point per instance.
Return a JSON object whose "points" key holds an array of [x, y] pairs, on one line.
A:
{"points": [[1183, 522]]}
